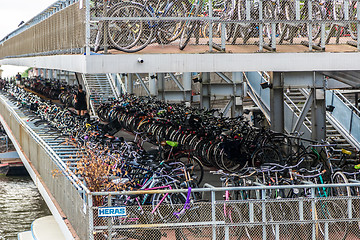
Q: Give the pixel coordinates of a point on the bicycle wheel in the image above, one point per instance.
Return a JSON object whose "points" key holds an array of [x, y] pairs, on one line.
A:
{"points": [[330, 210], [266, 154], [129, 35], [196, 170], [165, 211], [279, 141], [353, 16], [286, 13], [169, 31], [316, 15], [231, 165], [340, 178], [268, 14], [187, 31], [253, 231], [278, 212], [308, 160], [231, 215]]}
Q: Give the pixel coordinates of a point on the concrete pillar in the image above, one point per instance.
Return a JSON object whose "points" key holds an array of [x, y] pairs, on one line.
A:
{"points": [[205, 92], [129, 83], [153, 86], [39, 72], [237, 106], [161, 85], [187, 84], [277, 103], [46, 75]]}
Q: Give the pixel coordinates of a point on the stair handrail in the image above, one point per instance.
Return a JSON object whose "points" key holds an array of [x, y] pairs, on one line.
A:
{"points": [[296, 107], [88, 92], [346, 133], [347, 102], [256, 98], [112, 85]]}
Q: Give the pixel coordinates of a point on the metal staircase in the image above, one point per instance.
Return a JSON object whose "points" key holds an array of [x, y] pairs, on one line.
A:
{"points": [[342, 125], [100, 88], [298, 98]]}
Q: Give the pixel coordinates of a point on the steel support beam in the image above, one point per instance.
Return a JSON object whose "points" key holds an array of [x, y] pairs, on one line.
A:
{"points": [[51, 74], [161, 85], [129, 85], [224, 77], [238, 94], [187, 83], [303, 80], [205, 91], [176, 81], [227, 107], [304, 111], [277, 103], [318, 116], [143, 84], [153, 85]]}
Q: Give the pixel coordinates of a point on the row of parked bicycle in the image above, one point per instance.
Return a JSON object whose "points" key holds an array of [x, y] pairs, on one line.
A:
{"points": [[112, 164], [232, 19], [217, 141]]}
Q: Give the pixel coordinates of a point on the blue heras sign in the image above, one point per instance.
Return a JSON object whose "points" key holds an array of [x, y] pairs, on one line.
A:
{"points": [[112, 211]]}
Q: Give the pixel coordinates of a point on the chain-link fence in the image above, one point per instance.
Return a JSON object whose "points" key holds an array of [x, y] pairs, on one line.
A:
{"points": [[62, 32], [132, 26], [307, 216]]}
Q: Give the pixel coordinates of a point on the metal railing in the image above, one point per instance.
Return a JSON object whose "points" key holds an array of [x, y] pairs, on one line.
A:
{"points": [[69, 27], [346, 115], [262, 98], [305, 217], [68, 190]]}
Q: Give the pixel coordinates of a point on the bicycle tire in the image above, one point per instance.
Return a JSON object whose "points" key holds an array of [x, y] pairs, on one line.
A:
{"points": [[341, 191], [266, 154], [281, 211], [171, 202], [169, 31], [331, 210], [132, 35], [197, 171], [308, 160], [188, 29], [231, 215], [316, 15], [353, 16]]}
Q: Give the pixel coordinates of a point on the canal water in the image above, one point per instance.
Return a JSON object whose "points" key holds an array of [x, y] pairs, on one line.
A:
{"points": [[20, 204]]}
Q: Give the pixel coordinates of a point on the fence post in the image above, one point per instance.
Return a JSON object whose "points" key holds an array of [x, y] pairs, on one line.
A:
{"points": [[210, 26], [263, 205], [213, 215], [310, 24], [87, 27], [91, 217], [223, 29], [313, 213], [358, 24], [109, 220], [261, 37]]}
